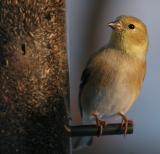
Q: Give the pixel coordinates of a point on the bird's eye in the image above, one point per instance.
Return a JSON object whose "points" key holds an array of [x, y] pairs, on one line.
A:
{"points": [[131, 26]]}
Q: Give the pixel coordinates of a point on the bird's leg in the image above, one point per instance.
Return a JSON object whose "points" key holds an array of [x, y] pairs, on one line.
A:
{"points": [[99, 123], [125, 122]]}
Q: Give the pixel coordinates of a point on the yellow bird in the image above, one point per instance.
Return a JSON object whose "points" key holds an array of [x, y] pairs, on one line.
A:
{"points": [[113, 77]]}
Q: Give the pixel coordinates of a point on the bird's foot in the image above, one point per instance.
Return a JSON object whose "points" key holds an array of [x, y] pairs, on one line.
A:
{"points": [[125, 123], [100, 124]]}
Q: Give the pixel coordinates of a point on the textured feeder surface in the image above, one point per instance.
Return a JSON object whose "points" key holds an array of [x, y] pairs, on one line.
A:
{"points": [[33, 77]]}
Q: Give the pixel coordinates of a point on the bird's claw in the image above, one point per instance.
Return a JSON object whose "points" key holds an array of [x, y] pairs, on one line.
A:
{"points": [[125, 123], [100, 124]]}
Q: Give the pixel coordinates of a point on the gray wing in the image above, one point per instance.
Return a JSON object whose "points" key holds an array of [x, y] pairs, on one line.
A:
{"points": [[84, 79], [86, 76]]}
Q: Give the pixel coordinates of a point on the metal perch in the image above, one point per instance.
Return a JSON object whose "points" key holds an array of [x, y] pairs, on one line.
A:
{"points": [[91, 130]]}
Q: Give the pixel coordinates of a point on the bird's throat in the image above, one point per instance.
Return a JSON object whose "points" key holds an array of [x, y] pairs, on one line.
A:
{"points": [[125, 46]]}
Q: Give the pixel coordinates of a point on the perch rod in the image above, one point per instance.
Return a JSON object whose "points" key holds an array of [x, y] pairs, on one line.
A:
{"points": [[91, 130]]}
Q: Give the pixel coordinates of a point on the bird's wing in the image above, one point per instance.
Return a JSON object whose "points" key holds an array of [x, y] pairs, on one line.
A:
{"points": [[86, 75], [84, 78]]}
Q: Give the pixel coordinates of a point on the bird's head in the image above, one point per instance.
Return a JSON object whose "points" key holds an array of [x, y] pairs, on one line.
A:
{"points": [[129, 34]]}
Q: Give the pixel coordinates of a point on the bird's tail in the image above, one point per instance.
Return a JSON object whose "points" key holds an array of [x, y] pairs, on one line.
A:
{"points": [[81, 142]]}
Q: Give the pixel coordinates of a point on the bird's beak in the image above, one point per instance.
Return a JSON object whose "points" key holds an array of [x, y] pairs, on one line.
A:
{"points": [[116, 25]]}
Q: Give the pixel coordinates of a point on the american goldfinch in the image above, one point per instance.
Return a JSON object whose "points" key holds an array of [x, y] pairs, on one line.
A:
{"points": [[113, 77]]}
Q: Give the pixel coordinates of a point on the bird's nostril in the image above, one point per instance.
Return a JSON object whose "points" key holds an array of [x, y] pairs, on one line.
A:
{"points": [[116, 25]]}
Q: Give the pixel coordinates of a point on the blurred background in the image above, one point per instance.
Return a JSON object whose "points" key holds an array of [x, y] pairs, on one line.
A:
{"points": [[87, 32]]}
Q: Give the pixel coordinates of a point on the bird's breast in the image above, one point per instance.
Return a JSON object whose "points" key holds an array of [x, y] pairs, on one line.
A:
{"points": [[114, 87]]}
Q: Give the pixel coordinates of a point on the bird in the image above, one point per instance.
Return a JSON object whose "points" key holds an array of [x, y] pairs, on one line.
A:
{"points": [[113, 76]]}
